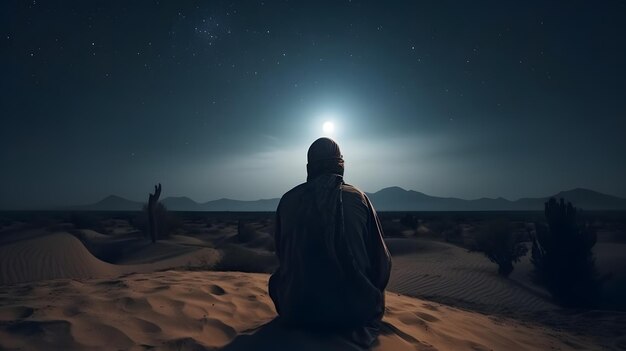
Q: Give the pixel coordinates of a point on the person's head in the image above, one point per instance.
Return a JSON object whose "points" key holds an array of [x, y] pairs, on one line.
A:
{"points": [[324, 157]]}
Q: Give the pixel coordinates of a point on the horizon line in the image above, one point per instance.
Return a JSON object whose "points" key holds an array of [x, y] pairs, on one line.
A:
{"points": [[368, 192]]}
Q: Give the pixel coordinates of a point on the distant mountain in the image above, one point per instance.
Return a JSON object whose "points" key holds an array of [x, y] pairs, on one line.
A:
{"points": [[591, 199], [187, 204], [388, 199], [398, 199], [581, 198], [262, 205], [181, 203], [111, 203]]}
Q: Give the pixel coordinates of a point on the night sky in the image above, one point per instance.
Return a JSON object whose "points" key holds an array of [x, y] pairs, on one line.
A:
{"points": [[222, 99]]}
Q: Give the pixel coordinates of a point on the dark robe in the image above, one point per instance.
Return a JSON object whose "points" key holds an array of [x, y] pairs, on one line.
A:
{"points": [[334, 265]]}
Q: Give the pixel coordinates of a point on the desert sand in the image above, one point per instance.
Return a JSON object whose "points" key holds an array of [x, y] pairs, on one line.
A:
{"points": [[175, 310], [56, 295], [62, 255]]}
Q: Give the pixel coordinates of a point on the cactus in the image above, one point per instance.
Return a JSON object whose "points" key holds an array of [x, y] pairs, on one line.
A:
{"points": [[562, 256], [153, 199]]}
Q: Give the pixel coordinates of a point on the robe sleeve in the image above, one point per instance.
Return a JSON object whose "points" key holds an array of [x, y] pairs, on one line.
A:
{"points": [[377, 251], [277, 236], [274, 281]]}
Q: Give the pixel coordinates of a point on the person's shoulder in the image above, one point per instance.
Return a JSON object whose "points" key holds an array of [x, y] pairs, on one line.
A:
{"points": [[295, 190], [349, 188], [292, 194], [352, 192]]}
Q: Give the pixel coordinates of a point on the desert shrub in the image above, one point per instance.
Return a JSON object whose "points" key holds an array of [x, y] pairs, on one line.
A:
{"points": [[253, 238], [563, 258], [167, 222], [501, 243], [447, 229]]}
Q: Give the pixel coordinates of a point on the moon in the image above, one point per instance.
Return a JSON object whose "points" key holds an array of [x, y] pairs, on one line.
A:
{"points": [[328, 127]]}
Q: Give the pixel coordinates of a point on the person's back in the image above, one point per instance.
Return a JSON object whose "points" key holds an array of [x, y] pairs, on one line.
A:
{"points": [[334, 265]]}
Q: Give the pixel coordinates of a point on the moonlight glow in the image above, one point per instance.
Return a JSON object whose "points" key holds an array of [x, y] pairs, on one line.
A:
{"points": [[328, 127], [220, 99]]}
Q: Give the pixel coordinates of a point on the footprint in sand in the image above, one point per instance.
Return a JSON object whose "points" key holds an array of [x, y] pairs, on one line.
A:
{"points": [[216, 290], [130, 304], [427, 317], [430, 307], [145, 326]]}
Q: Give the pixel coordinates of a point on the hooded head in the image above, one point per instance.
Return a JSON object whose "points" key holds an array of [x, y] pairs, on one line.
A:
{"points": [[324, 157]]}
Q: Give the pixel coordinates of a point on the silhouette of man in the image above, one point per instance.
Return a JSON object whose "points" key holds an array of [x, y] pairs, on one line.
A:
{"points": [[334, 265]]}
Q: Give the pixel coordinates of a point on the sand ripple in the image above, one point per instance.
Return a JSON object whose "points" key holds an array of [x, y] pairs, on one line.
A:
{"points": [[447, 273], [208, 310], [62, 255]]}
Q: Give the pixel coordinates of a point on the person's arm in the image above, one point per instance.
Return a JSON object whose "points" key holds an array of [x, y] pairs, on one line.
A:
{"points": [[277, 236], [274, 281], [377, 250]]}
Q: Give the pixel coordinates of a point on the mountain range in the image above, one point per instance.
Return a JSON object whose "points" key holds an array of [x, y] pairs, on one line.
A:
{"points": [[387, 199]]}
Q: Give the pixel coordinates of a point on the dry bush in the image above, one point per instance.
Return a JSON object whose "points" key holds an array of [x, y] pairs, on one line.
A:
{"points": [[501, 243]]}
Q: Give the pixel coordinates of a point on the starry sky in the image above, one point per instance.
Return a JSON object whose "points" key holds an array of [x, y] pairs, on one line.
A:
{"points": [[222, 98]]}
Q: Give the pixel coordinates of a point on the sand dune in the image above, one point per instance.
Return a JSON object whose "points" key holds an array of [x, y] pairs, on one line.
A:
{"points": [[448, 273], [69, 299], [204, 310], [48, 257], [61, 255]]}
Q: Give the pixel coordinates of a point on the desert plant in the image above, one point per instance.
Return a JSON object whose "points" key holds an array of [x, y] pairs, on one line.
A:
{"points": [[155, 221], [447, 228], [253, 238], [563, 258], [160, 215], [153, 200], [501, 243]]}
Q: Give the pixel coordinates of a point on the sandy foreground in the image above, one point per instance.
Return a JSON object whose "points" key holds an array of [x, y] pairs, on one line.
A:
{"points": [[55, 295], [176, 310]]}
